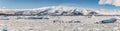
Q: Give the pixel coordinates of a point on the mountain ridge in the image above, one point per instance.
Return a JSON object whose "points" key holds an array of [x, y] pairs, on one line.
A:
{"points": [[60, 10]]}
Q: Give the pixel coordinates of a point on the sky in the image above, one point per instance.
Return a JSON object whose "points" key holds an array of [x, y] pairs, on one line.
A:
{"points": [[23, 4]]}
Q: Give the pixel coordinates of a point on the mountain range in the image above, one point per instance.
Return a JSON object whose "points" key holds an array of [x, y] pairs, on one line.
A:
{"points": [[59, 11]]}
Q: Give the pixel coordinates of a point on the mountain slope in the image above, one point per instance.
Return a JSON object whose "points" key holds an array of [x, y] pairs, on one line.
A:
{"points": [[60, 10]]}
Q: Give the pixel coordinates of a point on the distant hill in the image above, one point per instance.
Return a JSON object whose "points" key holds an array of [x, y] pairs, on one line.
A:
{"points": [[58, 11]]}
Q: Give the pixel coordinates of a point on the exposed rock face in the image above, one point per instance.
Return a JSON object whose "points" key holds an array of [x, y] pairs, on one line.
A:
{"points": [[93, 13], [43, 13]]}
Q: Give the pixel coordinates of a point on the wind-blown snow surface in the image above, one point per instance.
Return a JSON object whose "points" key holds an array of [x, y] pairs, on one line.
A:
{"points": [[60, 23]]}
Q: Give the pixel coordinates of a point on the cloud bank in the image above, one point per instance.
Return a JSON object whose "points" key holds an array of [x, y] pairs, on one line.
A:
{"points": [[110, 2]]}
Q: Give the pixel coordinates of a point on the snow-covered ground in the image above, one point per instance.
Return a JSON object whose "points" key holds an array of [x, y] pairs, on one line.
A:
{"points": [[58, 23]]}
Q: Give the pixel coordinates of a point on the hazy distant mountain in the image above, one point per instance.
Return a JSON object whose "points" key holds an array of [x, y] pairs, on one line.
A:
{"points": [[61, 10]]}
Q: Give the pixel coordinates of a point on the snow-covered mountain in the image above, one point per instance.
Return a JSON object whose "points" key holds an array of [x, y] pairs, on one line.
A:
{"points": [[63, 10], [60, 10]]}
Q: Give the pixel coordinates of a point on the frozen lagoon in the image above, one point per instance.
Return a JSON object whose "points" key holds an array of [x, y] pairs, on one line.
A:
{"points": [[58, 23]]}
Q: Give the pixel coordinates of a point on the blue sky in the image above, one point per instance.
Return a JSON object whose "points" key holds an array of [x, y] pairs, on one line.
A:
{"points": [[43, 3]]}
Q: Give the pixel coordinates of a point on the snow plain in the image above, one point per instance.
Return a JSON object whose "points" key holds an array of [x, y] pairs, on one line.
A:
{"points": [[59, 23]]}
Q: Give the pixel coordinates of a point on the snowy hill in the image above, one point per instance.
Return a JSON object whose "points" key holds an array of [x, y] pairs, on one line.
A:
{"points": [[59, 10]]}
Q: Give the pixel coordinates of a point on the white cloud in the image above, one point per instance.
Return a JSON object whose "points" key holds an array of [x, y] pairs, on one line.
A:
{"points": [[111, 2]]}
